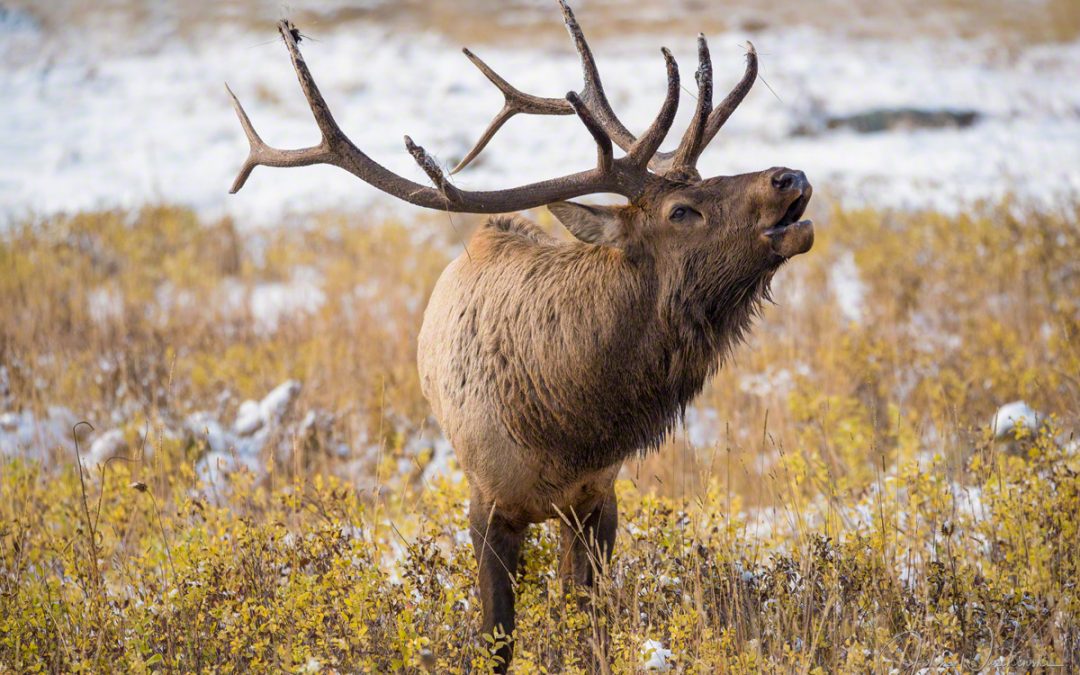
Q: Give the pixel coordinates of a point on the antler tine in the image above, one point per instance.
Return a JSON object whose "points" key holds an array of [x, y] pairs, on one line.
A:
{"points": [[644, 148], [262, 154], [433, 170], [592, 95], [705, 125], [517, 101], [664, 162], [254, 143], [691, 145], [593, 92], [722, 112], [604, 152]]}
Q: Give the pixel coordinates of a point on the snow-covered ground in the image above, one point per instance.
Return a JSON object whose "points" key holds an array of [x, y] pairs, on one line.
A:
{"points": [[84, 129]]}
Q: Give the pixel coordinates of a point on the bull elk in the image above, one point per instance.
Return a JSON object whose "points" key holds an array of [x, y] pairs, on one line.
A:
{"points": [[549, 362]]}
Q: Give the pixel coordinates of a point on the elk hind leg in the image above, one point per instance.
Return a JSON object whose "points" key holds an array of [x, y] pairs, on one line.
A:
{"points": [[586, 546], [587, 541]]}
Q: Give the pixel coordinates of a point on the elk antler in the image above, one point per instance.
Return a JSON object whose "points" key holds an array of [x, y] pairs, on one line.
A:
{"points": [[626, 176], [690, 147], [706, 124]]}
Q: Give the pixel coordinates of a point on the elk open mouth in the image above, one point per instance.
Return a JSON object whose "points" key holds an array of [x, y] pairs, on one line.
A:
{"points": [[791, 236]]}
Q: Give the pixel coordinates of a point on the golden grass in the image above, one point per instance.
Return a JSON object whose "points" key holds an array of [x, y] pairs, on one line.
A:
{"points": [[853, 515], [496, 21]]}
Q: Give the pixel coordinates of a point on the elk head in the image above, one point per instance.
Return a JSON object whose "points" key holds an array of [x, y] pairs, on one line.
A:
{"points": [[749, 221]]}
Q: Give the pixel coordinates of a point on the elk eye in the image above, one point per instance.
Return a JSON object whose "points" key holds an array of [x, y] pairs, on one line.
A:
{"points": [[678, 213]]}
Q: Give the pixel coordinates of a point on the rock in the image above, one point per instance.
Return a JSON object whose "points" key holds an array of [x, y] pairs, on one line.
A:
{"points": [[890, 119], [887, 119]]}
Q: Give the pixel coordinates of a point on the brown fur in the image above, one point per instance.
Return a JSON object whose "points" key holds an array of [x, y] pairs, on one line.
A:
{"points": [[550, 362]]}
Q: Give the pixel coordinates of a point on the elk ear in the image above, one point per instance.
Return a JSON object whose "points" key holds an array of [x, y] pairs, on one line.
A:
{"points": [[590, 223]]}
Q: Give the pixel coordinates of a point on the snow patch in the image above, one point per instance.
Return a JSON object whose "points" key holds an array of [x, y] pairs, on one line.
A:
{"points": [[1013, 415], [270, 302], [702, 426], [22, 434], [106, 446], [105, 304], [167, 108], [215, 468], [848, 287], [655, 657], [257, 423], [5, 387], [442, 461], [779, 381]]}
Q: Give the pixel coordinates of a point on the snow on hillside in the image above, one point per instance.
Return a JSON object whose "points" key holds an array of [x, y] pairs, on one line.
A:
{"points": [[86, 130]]}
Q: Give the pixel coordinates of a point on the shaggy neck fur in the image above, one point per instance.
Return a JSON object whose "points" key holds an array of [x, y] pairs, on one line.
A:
{"points": [[594, 371], [706, 309]]}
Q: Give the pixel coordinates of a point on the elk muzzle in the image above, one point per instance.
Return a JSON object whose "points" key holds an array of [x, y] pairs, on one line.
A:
{"points": [[791, 236]]}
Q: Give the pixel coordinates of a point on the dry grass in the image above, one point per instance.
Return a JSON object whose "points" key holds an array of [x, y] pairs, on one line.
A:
{"points": [[150, 313], [498, 21], [853, 514]]}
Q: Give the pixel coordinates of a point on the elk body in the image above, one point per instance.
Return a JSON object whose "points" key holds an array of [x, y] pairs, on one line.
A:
{"points": [[549, 362]]}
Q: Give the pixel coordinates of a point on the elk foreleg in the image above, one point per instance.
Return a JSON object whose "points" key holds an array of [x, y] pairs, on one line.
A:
{"points": [[497, 546]]}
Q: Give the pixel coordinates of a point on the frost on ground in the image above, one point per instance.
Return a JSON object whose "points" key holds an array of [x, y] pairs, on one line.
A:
{"points": [[66, 113], [262, 432], [258, 425]]}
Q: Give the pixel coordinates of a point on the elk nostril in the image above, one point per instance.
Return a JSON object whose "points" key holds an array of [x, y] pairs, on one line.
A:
{"points": [[784, 181]]}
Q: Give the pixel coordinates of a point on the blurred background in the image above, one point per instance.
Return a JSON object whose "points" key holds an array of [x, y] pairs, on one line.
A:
{"points": [[905, 104]]}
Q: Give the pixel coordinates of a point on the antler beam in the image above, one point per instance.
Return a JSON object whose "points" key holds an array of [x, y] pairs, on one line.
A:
{"points": [[335, 148], [626, 176]]}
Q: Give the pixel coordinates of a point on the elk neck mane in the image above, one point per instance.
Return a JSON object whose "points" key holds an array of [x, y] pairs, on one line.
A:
{"points": [[597, 355]]}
